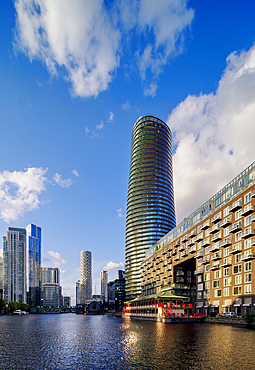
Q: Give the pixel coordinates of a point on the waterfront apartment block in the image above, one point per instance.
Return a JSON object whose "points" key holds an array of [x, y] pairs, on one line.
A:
{"points": [[210, 256]]}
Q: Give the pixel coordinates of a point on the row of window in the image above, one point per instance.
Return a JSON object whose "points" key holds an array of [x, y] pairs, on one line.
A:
{"points": [[237, 290]]}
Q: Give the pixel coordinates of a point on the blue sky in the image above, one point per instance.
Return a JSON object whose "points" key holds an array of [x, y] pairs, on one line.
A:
{"points": [[76, 75]]}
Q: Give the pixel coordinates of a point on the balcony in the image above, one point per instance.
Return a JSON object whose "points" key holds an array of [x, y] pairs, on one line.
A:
{"points": [[253, 218], [164, 251], [216, 237], [176, 258], [192, 233], [184, 253], [250, 231], [235, 206], [236, 248], [199, 254], [169, 267], [174, 251], [176, 243], [184, 238], [227, 262], [191, 242], [193, 249], [215, 265], [206, 242], [216, 256], [248, 209], [206, 260], [249, 255], [181, 247], [253, 194], [214, 229], [199, 237], [215, 247], [199, 271], [227, 221], [205, 225], [236, 227], [226, 242], [216, 218]]}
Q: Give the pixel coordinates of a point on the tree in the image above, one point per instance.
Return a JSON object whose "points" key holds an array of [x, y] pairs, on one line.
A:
{"points": [[13, 306], [249, 316]]}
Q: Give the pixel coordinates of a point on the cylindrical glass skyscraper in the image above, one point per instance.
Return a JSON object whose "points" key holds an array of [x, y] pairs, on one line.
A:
{"points": [[150, 204]]}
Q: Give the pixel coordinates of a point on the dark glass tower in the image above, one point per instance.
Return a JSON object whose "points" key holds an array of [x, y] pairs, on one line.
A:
{"points": [[150, 204]]}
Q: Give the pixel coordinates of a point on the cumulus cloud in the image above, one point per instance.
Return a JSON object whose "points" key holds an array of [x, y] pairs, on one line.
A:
{"points": [[214, 134], [120, 214], [19, 192], [100, 126], [57, 258], [114, 266], [63, 183], [1, 252], [111, 116], [62, 271], [75, 173], [86, 39]]}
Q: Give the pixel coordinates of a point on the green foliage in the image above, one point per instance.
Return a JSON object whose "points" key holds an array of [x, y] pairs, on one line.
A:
{"points": [[249, 316], [13, 306], [2, 304]]}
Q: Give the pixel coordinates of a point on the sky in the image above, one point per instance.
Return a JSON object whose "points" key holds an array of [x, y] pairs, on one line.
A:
{"points": [[75, 76]]}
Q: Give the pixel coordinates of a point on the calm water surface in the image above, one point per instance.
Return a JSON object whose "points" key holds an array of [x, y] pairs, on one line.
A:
{"points": [[70, 341]]}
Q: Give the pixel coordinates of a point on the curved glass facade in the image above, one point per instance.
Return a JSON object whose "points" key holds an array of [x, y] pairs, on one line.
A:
{"points": [[150, 204]]}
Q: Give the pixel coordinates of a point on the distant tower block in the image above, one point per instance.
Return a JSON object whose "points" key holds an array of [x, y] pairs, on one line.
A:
{"points": [[150, 203], [86, 276]]}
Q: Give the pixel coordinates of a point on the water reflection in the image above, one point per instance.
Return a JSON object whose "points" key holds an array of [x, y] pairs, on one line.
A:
{"points": [[101, 342]]}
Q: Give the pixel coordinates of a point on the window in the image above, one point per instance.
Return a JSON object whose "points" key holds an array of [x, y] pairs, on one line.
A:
{"points": [[247, 289], [247, 198], [247, 243], [199, 278], [216, 283], [207, 285], [238, 214], [207, 232], [217, 293], [247, 278], [247, 266], [217, 274], [207, 268], [247, 221], [227, 281], [237, 290], [226, 271], [226, 292], [238, 257], [200, 286], [238, 236], [199, 295], [238, 279], [226, 232], [237, 269], [207, 294], [206, 277], [207, 250], [226, 252], [226, 212]]}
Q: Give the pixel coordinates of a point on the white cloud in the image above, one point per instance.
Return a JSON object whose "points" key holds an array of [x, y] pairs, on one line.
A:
{"points": [[126, 106], [111, 116], [214, 134], [100, 126], [86, 39], [75, 173], [1, 252], [62, 271], [19, 192], [63, 183], [57, 258], [86, 130], [114, 266], [120, 214]]}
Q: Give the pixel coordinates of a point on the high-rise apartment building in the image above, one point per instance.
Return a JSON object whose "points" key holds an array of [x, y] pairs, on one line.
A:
{"points": [[52, 291], [150, 203], [34, 280], [86, 276], [14, 265], [104, 282], [77, 292], [1, 278]]}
